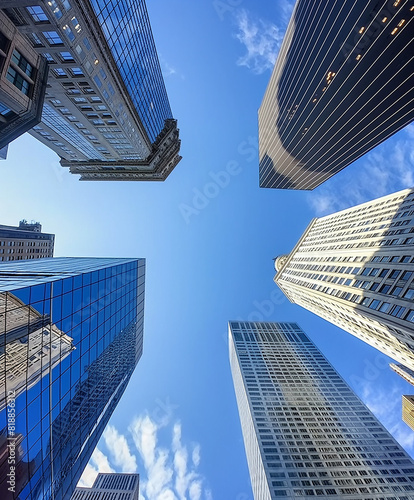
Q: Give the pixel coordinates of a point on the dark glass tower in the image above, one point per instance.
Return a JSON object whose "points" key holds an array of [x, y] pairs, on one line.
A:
{"points": [[71, 335], [342, 83]]}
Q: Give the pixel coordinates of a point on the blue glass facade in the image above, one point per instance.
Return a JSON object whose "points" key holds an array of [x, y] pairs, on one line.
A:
{"points": [[70, 338], [128, 33]]}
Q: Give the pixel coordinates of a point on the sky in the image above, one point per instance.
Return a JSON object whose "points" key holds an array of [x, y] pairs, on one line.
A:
{"points": [[209, 235]]}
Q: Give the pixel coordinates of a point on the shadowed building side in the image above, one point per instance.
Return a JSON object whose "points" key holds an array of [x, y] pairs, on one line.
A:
{"points": [[341, 85]]}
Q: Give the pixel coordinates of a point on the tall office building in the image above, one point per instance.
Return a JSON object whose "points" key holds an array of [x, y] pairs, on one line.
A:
{"points": [[114, 486], [341, 85], [355, 268], [408, 410], [305, 431], [70, 337], [23, 78], [403, 372], [106, 111], [25, 242]]}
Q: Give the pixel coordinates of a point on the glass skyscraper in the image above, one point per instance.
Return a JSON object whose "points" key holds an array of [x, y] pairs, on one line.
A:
{"points": [[305, 431], [106, 111], [71, 335], [342, 84]]}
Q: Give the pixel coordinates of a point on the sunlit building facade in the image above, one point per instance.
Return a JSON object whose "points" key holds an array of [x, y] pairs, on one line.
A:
{"points": [[355, 268], [342, 84], [106, 111], [305, 431], [71, 335], [111, 486], [25, 242], [408, 410]]}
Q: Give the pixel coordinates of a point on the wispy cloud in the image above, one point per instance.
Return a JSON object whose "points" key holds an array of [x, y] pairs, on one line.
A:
{"points": [[170, 473], [262, 40], [98, 463], [386, 169], [119, 450], [386, 406], [168, 69]]}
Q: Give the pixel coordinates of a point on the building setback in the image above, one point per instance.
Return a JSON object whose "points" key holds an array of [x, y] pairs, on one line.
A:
{"points": [[114, 486], [71, 335], [305, 431], [342, 84], [106, 111], [25, 242], [355, 268]]}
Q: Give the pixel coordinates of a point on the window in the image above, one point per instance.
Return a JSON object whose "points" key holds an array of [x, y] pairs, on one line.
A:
{"points": [[59, 72], [87, 43], [374, 286], [55, 9], [394, 274], [385, 306], [76, 72], [374, 304], [52, 38], [37, 14], [384, 289], [397, 311], [66, 56], [18, 81], [383, 273], [409, 294], [97, 81], [22, 63], [76, 24], [405, 258], [406, 275], [410, 316], [396, 290], [69, 33], [48, 57]]}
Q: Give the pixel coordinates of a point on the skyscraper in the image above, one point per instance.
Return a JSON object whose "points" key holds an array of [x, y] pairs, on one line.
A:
{"points": [[70, 338], [341, 85], [408, 410], [23, 78], [355, 268], [110, 487], [25, 242], [305, 431], [106, 111]]}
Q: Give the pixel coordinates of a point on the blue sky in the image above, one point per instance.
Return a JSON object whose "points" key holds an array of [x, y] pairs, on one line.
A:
{"points": [[209, 235]]}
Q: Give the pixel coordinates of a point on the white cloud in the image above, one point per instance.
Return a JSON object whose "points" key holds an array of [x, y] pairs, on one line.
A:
{"points": [[386, 169], [119, 449], [196, 455], [262, 40], [386, 406], [169, 473], [98, 463]]}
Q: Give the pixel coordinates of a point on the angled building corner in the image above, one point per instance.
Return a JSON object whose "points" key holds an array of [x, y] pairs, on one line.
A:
{"points": [[106, 111]]}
